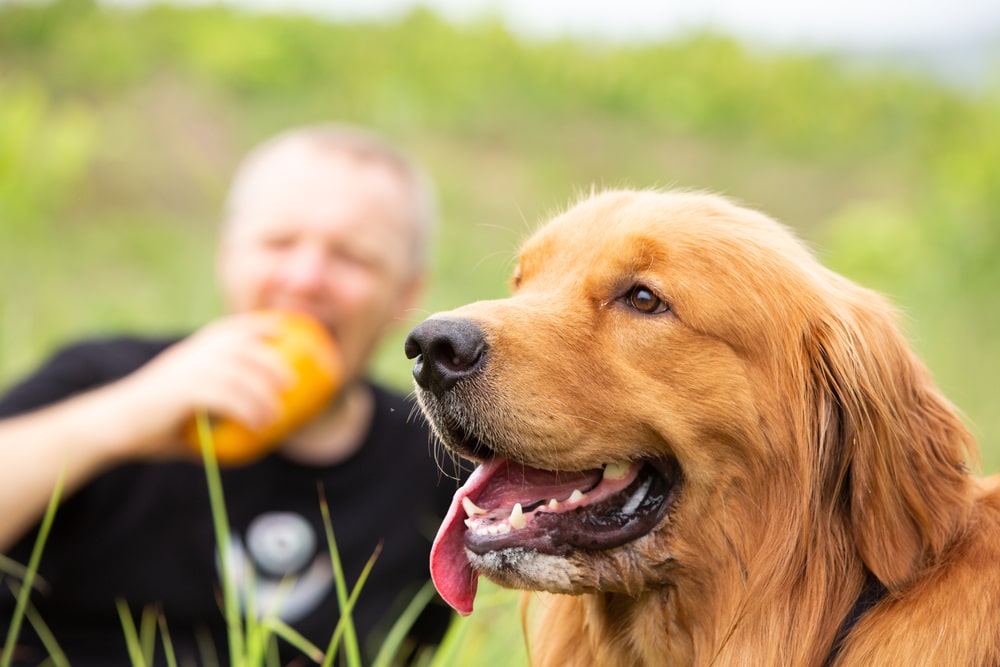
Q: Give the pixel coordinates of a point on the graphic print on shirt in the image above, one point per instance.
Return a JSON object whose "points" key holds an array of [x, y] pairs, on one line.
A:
{"points": [[278, 567]]}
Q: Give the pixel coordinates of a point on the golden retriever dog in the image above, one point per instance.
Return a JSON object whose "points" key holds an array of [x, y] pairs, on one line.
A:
{"points": [[710, 448]]}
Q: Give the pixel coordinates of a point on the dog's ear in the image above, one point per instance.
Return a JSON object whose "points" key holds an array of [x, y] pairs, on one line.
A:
{"points": [[893, 454]]}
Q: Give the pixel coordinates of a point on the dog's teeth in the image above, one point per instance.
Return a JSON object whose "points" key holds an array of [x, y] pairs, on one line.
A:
{"points": [[637, 497], [576, 496], [616, 470], [499, 529], [471, 509], [468, 523], [554, 505], [517, 518]]}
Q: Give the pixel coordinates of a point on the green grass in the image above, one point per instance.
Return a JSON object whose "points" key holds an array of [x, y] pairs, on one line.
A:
{"points": [[252, 640], [22, 607]]}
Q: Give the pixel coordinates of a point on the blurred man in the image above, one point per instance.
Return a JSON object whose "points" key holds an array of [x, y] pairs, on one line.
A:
{"points": [[326, 220]]}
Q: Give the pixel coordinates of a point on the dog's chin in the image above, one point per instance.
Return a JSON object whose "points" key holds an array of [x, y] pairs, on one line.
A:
{"points": [[626, 569], [527, 569], [563, 531]]}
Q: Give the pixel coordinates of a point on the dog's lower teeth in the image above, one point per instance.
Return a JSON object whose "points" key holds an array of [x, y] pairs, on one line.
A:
{"points": [[517, 518], [637, 497], [576, 496], [498, 529]]}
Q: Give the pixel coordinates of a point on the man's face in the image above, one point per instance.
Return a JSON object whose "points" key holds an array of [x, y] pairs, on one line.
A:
{"points": [[327, 234]]}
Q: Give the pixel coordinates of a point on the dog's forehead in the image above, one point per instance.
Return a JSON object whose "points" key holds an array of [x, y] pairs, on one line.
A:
{"points": [[633, 231]]}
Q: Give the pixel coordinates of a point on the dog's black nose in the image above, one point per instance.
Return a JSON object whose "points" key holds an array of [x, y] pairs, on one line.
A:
{"points": [[445, 351]]}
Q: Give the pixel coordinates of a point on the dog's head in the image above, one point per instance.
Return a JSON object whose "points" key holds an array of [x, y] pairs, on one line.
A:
{"points": [[677, 393]]}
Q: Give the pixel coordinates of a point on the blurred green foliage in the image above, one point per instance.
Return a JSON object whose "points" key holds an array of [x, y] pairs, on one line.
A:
{"points": [[44, 150], [120, 128]]}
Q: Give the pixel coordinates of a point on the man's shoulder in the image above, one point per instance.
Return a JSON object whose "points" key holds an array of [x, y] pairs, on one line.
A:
{"points": [[109, 357], [81, 365], [127, 345]]}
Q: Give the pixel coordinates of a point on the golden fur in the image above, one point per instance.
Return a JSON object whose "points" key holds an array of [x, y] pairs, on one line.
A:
{"points": [[813, 445]]}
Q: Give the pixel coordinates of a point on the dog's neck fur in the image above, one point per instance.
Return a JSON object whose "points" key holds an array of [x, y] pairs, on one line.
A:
{"points": [[870, 595], [758, 607]]}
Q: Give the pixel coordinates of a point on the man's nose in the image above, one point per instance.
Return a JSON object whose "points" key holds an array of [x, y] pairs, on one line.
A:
{"points": [[305, 269]]}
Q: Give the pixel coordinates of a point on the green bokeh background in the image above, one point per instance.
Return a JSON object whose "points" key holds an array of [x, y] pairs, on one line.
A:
{"points": [[119, 130]]}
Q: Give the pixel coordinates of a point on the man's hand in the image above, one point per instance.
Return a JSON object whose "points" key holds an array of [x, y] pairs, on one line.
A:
{"points": [[226, 369]]}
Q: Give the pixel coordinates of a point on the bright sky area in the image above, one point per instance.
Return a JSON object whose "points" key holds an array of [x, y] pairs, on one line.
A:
{"points": [[852, 24]]}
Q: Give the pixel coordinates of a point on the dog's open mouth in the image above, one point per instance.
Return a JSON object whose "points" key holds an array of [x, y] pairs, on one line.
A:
{"points": [[506, 505]]}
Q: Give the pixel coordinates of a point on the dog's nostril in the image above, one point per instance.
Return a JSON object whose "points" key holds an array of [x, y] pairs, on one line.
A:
{"points": [[412, 347], [444, 351]]}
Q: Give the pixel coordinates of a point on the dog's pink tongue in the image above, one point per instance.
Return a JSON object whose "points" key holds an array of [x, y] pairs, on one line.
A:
{"points": [[453, 577]]}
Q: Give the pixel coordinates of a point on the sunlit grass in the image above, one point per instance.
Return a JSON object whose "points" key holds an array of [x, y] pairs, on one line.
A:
{"points": [[249, 637], [492, 636], [24, 594]]}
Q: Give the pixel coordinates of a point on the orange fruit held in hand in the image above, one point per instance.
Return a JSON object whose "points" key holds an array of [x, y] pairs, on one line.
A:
{"points": [[309, 349]]}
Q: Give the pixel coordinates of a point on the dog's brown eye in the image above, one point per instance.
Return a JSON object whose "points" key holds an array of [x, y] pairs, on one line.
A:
{"points": [[645, 301]]}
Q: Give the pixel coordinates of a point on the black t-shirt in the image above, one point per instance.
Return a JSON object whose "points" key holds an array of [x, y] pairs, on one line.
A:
{"points": [[143, 532]]}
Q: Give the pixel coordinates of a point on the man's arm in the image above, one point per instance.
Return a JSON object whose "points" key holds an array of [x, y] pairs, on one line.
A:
{"points": [[225, 369]]}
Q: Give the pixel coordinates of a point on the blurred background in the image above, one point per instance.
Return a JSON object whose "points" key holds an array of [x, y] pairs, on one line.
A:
{"points": [[873, 130]]}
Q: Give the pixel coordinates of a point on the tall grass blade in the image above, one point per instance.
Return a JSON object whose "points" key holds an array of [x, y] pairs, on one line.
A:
{"points": [[147, 634], [15, 569], [55, 652], [221, 522], [345, 626], [168, 645], [290, 635], [206, 648], [346, 623], [132, 640], [397, 634], [29, 576], [255, 634]]}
